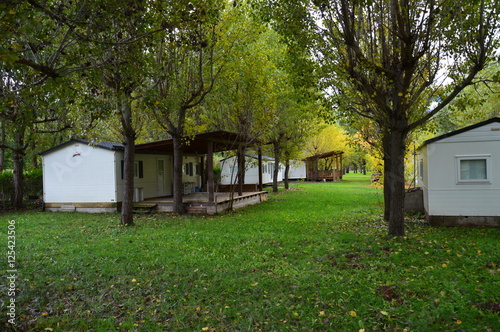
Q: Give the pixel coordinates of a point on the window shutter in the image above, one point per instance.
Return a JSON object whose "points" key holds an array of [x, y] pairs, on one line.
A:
{"points": [[122, 167], [141, 169]]}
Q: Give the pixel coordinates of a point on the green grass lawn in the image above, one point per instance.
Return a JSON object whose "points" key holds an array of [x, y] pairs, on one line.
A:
{"points": [[315, 258]]}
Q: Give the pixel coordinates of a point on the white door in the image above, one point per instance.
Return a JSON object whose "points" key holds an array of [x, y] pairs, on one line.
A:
{"points": [[160, 175]]}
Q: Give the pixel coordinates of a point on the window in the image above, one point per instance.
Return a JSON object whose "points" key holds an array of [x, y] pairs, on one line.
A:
{"points": [[138, 169], [473, 169], [421, 168]]}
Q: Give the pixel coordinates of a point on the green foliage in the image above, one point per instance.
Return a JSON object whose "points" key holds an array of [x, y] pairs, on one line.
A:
{"points": [[314, 258], [474, 104], [33, 184], [6, 189]]}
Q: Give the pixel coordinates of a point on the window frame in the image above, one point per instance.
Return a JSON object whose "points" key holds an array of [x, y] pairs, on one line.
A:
{"points": [[486, 157]]}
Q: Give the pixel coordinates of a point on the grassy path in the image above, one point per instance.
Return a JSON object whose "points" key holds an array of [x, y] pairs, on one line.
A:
{"points": [[315, 258]]}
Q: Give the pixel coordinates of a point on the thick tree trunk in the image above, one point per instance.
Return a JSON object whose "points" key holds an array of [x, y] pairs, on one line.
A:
{"points": [[178, 187], [127, 210], [18, 166], [287, 171], [386, 147], [395, 180]]}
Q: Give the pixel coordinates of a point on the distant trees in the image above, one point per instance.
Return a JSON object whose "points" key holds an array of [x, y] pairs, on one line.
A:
{"points": [[35, 57], [185, 61], [387, 67], [386, 60]]}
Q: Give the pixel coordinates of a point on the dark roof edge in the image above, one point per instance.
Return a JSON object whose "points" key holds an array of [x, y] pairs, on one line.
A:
{"points": [[459, 131], [99, 144], [254, 156]]}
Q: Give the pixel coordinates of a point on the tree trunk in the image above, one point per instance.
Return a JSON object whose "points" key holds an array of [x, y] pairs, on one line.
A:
{"points": [[395, 180], [127, 211], [18, 166], [277, 152], [2, 146], [178, 187], [241, 169], [387, 170], [316, 170], [287, 170]]}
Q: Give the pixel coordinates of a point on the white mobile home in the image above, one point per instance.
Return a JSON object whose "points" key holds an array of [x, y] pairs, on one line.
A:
{"points": [[83, 176], [229, 170], [460, 176], [297, 170]]}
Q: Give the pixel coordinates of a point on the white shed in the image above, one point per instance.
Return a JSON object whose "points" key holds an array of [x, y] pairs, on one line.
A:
{"points": [[229, 170], [83, 176], [297, 170], [460, 176]]}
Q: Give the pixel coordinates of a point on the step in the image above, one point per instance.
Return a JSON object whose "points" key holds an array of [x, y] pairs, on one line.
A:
{"points": [[144, 207]]}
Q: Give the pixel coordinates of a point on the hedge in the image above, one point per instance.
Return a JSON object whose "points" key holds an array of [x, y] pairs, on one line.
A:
{"points": [[33, 184]]}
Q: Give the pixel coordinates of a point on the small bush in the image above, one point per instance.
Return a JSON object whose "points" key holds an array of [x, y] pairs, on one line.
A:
{"points": [[6, 189], [33, 184]]}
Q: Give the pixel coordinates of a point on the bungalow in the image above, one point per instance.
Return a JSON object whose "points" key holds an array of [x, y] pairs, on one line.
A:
{"points": [[229, 170], [460, 176], [88, 176], [297, 170]]}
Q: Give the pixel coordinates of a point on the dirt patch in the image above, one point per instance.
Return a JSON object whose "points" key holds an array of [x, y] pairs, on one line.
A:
{"points": [[490, 306], [388, 293]]}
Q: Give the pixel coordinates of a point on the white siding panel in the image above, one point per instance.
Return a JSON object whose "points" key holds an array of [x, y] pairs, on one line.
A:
{"points": [[483, 133], [297, 170], [442, 172], [465, 202], [251, 172], [149, 181], [78, 173], [443, 196]]}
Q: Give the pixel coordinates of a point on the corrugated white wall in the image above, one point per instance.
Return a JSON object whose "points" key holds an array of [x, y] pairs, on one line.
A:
{"points": [[149, 182], [446, 197], [297, 170], [78, 173], [252, 171]]}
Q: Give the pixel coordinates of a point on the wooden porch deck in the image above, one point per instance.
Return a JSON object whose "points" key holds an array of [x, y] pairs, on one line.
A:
{"points": [[198, 202]]}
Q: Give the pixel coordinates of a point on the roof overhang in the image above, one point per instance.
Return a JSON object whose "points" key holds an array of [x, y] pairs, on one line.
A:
{"points": [[197, 144], [325, 155], [96, 144], [459, 131]]}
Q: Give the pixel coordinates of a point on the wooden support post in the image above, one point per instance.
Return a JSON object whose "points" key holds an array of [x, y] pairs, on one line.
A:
{"points": [[241, 168], [203, 175], [341, 166], [210, 171]]}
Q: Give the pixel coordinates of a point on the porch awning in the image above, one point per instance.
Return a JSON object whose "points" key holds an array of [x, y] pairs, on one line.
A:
{"points": [[197, 144], [325, 155]]}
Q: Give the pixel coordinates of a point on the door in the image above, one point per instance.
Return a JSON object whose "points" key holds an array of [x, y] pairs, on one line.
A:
{"points": [[160, 176]]}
